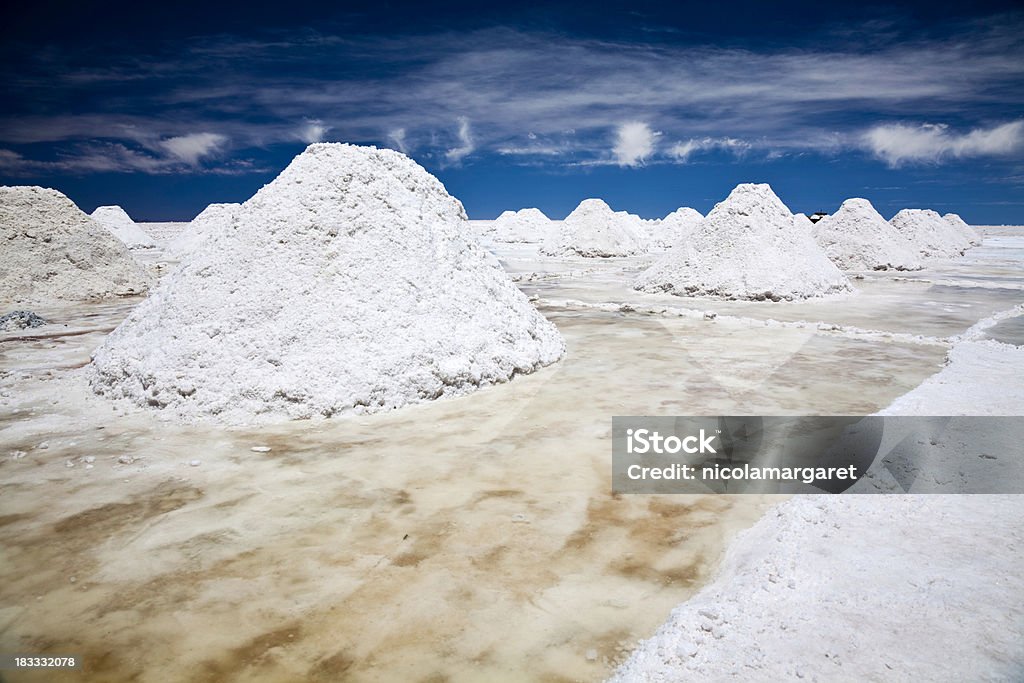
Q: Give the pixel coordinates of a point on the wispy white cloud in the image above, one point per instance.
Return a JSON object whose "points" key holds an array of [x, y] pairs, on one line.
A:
{"points": [[682, 151], [397, 136], [634, 143], [312, 130], [900, 143], [465, 146], [193, 147]]}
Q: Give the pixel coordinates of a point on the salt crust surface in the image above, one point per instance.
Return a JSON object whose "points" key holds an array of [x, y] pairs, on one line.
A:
{"points": [[965, 230], [213, 218], [856, 237], [747, 247], [347, 285], [934, 237], [54, 252], [525, 225], [594, 230], [117, 221], [673, 229]]}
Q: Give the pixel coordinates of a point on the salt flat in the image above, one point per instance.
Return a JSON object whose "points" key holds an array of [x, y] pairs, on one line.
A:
{"points": [[467, 539]]}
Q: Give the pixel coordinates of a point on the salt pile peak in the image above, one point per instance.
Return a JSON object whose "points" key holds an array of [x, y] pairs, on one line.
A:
{"points": [[747, 247], [117, 221], [673, 229], [54, 252], [961, 226], [346, 285], [856, 237], [214, 217], [593, 230], [525, 225], [933, 237]]}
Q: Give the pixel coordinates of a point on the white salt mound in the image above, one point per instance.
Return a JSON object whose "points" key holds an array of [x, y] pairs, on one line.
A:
{"points": [[211, 219], [349, 284], [673, 229], [802, 219], [525, 225], [972, 237], [747, 247], [593, 230], [856, 237], [933, 237], [55, 252], [114, 219]]}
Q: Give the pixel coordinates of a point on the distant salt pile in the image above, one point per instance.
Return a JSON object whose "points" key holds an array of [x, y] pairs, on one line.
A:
{"points": [[114, 219], [972, 237], [673, 229], [593, 230], [747, 247], [525, 225], [54, 252], [934, 237], [211, 219], [801, 219], [856, 237], [349, 284]]}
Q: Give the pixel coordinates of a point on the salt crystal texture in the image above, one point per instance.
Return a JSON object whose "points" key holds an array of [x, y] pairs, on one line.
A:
{"points": [[55, 252], [525, 225], [972, 237], [747, 247], [213, 218], [675, 228], [114, 219], [347, 285], [856, 237], [933, 237], [593, 230]]}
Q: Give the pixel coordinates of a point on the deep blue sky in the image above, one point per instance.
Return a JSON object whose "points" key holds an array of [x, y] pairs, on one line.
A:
{"points": [[166, 108]]}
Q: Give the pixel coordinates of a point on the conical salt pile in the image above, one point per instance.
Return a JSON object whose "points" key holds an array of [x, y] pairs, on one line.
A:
{"points": [[346, 285], [211, 219], [933, 237], [114, 219], [673, 229], [525, 225], [54, 252], [856, 237], [747, 247], [594, 230], [972, 237]]}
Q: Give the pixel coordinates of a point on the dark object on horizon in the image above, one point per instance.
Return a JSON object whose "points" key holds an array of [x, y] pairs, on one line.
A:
{"points": [[816, 216], [20, 320]]}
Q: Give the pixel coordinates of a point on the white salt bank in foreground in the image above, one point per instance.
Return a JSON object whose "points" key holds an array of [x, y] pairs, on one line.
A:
{"points": [[346, 285], [54, 252], [856, 237], [747, 247], [594, 230], [117, 221]]}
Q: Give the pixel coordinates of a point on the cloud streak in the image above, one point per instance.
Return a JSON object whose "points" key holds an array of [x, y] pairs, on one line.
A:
{"points": [[899, 143]]}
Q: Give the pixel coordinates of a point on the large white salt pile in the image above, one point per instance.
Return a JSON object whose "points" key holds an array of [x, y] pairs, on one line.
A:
{"points": [[856, 237], [747, 247], [673, 229], [525, 225], [211, 219], [114, 219], [932, 236], [55, 252], [594, 230], [960, 225], [348, 284]]}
